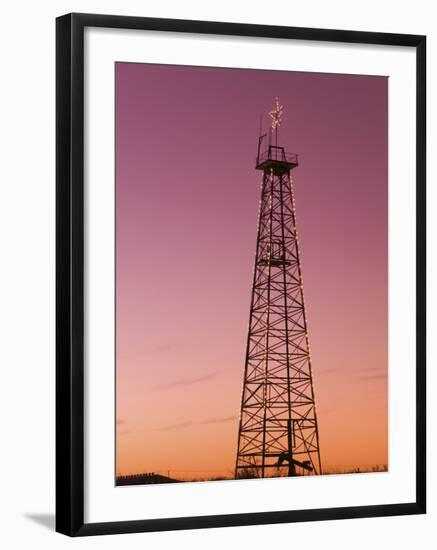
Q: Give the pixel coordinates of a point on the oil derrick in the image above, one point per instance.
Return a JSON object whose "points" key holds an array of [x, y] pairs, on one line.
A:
{"points": [[278, 421]]}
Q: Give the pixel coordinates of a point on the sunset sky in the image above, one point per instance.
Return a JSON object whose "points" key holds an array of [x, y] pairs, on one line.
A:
{"points": [[187, 200]]}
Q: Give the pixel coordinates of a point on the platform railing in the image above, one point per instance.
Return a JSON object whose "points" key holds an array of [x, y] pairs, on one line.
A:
{"points": [[276, 153]]}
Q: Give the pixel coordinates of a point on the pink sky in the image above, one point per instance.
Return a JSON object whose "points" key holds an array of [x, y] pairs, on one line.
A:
{"points": [[186, 210]]}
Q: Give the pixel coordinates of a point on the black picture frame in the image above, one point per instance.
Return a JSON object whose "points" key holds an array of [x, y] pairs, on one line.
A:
{"points": [[70, 273]]}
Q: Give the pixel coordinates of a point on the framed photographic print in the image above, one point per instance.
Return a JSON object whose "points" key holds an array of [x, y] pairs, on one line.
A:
{"points": [[240, 274]]}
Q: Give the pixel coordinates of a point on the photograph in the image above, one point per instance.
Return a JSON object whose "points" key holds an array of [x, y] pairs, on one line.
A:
{"points": [[251, 274]]}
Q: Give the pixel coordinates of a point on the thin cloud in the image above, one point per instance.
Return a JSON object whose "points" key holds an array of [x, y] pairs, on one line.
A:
{"points": [[377, 376], [372, 373], [176, 426], [124, 432], [218, 420], [326, 371], [367, 373], [183, 425], [326, 411], [372, 369], [152, 352], [185, 382]]}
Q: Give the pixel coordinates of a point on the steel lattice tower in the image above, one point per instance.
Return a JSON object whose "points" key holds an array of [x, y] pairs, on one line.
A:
{"points": [[278, 422]]}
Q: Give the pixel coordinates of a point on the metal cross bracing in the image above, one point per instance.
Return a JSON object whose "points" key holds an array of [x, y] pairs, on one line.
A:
{"points": [[278, 421]]}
